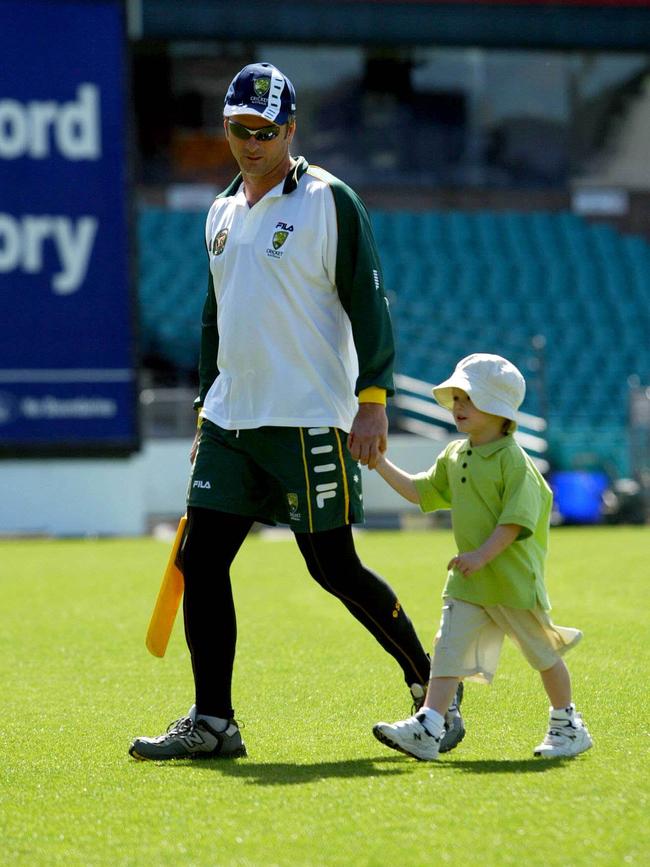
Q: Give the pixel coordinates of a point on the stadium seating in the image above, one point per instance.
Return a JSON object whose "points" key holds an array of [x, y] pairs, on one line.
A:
{"points": [[461, 282], [172, 280]]}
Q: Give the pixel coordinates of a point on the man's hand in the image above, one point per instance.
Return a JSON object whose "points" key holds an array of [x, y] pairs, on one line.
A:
{"points": [[369, 435]]}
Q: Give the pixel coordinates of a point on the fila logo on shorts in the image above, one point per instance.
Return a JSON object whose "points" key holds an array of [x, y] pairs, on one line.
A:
{"points": [[333, 484], [325, 490]]}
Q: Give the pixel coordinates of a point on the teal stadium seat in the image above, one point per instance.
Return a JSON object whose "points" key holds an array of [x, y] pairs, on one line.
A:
{"points": [[172, 280]]}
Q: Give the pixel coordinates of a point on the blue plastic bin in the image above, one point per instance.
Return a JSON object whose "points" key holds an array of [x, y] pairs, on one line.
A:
{"points": [[578, 495]]}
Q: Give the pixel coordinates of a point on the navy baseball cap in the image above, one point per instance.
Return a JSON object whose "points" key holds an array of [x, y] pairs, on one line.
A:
{"points": [[260, 89]]}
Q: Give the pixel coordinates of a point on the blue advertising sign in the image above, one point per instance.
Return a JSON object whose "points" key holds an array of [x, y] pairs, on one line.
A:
{"points": [[67, 354]]}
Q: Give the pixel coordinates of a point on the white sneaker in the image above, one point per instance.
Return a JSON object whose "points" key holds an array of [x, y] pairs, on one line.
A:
{"points": [[414, 736], [454, 724], [567, 735]]}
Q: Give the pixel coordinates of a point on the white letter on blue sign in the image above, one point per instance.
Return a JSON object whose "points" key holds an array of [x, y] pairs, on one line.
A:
{"points": [[27, 130], [22, 242]]}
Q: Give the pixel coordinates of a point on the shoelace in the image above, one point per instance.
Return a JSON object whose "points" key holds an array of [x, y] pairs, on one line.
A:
{"points": [[185, 729], [179, 725]]}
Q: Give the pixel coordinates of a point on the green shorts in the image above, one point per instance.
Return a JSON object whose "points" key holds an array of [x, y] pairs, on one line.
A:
{"points": [[304, 477]]}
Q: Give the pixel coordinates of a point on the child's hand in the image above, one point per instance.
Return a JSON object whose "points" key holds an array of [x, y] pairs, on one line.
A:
{"points": [[467, 563], [380, 461], [471, 561]]}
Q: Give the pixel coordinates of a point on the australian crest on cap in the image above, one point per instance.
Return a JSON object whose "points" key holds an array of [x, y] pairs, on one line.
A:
{"points": [[261, 86]]}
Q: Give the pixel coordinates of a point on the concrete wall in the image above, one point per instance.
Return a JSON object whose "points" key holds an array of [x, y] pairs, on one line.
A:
{"points": [[125, 496]]}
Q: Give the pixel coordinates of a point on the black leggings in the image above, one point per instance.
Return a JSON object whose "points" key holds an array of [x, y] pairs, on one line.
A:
{"points": [[212, 541]]}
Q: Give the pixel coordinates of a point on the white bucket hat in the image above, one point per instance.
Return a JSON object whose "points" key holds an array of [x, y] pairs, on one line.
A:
{"points": [[493, 383]]}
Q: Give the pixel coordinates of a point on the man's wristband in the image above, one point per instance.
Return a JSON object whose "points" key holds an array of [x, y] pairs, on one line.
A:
{"points": [[373, 394]]}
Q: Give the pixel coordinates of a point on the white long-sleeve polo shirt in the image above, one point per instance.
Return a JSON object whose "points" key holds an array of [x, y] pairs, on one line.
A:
{"points": [[295, 321]]}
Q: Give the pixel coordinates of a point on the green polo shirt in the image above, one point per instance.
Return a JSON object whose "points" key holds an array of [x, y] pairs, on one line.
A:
{"points": [[485, 486]]}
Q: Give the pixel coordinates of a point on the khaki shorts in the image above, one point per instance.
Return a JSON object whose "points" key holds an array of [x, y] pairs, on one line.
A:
{"points": [[470, 638], [303, 477]]}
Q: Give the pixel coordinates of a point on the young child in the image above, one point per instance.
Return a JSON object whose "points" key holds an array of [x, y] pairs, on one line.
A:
{"points": [[500, 507]]}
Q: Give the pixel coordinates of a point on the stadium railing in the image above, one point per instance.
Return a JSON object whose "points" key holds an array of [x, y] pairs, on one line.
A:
{"points": [[419, 414]]}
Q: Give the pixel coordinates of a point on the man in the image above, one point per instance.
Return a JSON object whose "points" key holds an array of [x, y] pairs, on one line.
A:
{"points": [[296, 362]]}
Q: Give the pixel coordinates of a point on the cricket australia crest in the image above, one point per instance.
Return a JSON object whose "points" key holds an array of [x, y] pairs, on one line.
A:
{"points": [[219, 242], [280, 235], [279, 238], [292, 503], [261, 86]]}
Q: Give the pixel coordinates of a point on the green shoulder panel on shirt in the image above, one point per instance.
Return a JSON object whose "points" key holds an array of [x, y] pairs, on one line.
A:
{"points": [[359, 283], [208, 369], [232, 187]]}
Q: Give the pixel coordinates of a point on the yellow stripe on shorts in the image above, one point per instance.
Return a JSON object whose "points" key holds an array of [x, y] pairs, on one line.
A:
{"points": [[306, 468], [346, 492]]}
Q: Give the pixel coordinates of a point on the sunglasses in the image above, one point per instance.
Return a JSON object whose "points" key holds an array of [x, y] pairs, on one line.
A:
{"points": [[265, 133]]}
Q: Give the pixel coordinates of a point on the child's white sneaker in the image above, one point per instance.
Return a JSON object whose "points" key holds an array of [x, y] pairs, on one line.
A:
{"points": [[416, 736], [567, 735]]}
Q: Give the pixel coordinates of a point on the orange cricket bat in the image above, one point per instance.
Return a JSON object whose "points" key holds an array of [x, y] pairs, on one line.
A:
{"points": [[169, 597]]}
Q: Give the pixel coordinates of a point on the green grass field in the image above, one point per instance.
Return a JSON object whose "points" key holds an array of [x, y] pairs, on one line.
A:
{"points": [[316, 789]]}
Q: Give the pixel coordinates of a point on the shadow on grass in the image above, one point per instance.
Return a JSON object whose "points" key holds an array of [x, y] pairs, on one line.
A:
{"points": [[288, 773], [505, 766]]}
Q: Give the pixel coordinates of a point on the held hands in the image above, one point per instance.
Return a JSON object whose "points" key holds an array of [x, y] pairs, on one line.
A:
{"points": [[467, 563], [368, 438]]}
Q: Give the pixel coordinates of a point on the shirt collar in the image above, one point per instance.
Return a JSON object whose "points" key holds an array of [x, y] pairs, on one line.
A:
{"points": [[487, 450], [291, 180], [288, 185]]}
